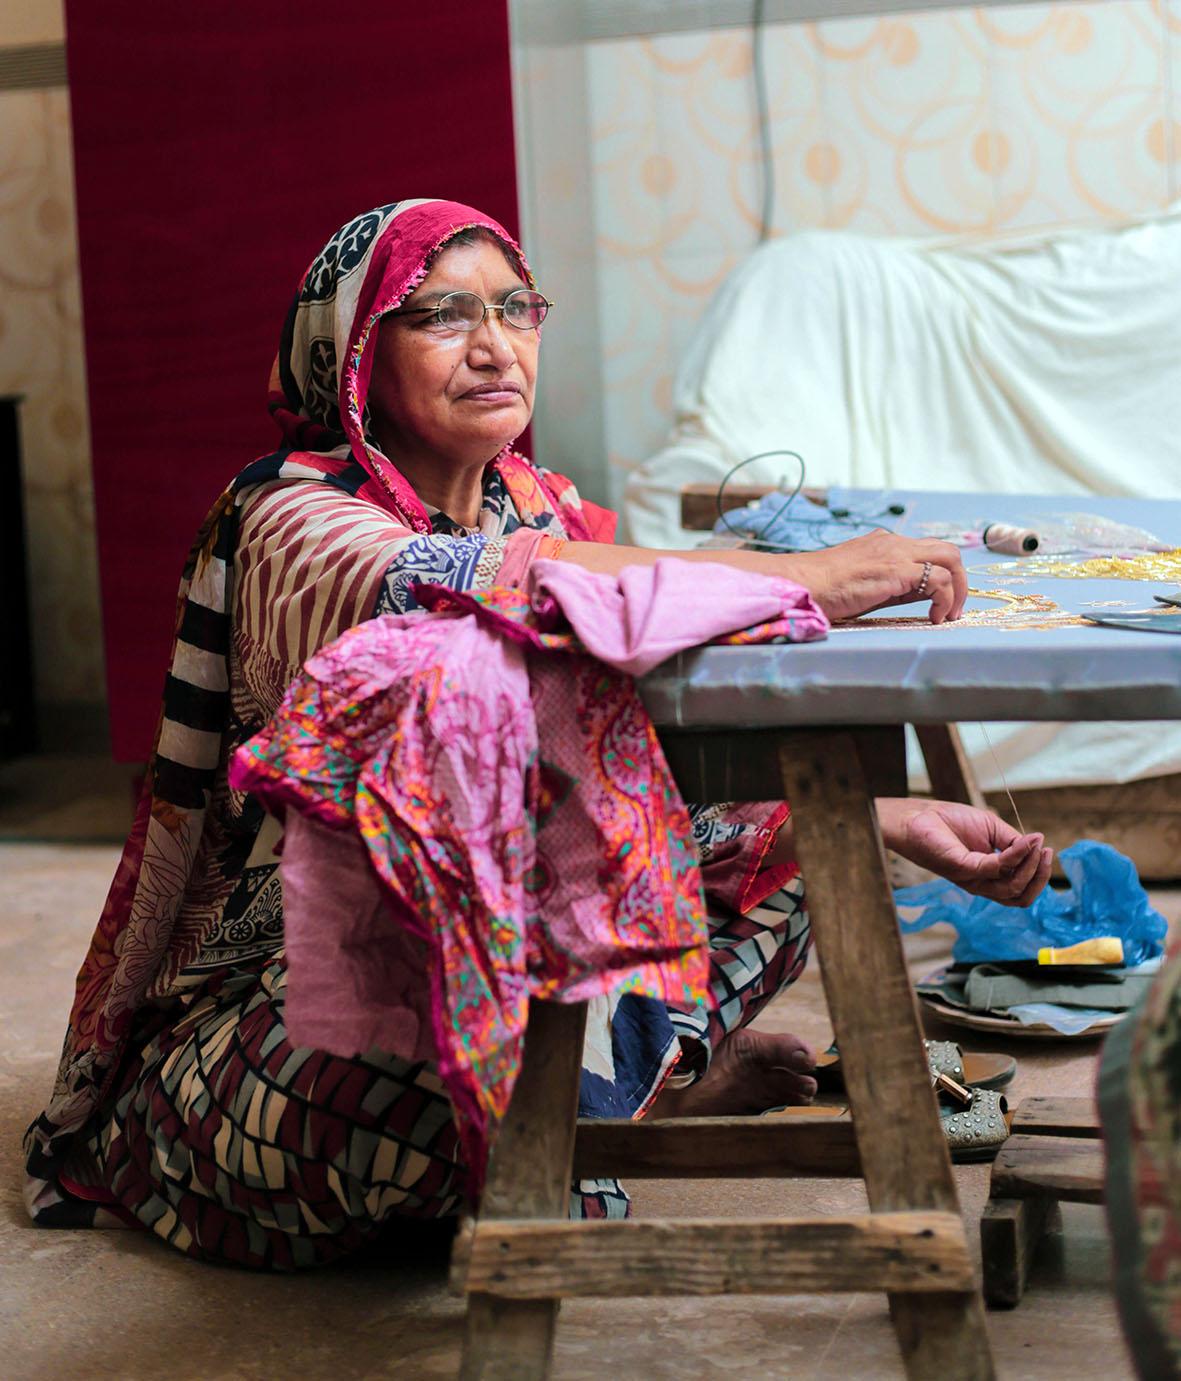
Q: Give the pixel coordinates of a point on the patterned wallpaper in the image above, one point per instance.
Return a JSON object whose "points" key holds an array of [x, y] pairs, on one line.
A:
{"points": [[966, 120], [41, 358]]}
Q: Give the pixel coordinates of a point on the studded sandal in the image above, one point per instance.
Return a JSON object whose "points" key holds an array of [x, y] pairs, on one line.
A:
{"points": [[976, 1121], [976, 1069]]}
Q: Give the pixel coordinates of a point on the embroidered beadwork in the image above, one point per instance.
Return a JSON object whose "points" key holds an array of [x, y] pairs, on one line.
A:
{"points": [[1019, 610], [1147, 565]]}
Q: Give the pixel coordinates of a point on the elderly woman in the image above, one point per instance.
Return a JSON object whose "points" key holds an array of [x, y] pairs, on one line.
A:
{"points": [[406, 370]]}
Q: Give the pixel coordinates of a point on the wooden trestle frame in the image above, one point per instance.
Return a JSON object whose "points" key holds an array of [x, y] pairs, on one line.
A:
{"points": [[522, 1254]]}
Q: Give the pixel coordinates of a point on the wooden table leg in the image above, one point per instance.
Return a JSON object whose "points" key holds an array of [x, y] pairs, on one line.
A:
{"points": [[949, 768], [1011, 1231], [529, 1177], [903, 1152]]}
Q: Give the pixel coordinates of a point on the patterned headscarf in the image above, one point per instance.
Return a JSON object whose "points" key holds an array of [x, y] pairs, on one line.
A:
{"points": [[320, 379]]}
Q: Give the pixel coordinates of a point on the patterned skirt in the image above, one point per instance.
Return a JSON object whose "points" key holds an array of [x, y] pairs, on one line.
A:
{"points": [[236, 1146]]}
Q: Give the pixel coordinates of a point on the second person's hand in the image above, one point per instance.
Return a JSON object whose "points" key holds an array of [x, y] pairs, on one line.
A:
{"points": [[974, 848]]}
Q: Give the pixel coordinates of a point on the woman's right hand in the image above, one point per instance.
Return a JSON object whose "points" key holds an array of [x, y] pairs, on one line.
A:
{"points": [[881, 569]]}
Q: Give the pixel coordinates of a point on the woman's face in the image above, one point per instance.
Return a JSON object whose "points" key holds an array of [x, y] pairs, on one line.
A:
{"points": [[455, 394]]}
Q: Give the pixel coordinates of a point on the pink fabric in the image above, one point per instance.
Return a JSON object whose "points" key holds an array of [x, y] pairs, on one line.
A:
{"points": [[647, 614], [420, 733], [521, 550], [364, 990], [516, 808], [367, 989]]}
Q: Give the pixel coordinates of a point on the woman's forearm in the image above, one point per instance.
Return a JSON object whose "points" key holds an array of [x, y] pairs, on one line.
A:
{"points": [[893, 813], [610, 560], [848, 579]]}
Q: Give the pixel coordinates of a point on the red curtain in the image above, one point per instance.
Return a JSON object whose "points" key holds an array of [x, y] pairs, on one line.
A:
{"points": [[217, 146]]}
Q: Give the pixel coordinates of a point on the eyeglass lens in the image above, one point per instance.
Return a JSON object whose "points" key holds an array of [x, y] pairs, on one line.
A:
{"points": [[463, 311]]}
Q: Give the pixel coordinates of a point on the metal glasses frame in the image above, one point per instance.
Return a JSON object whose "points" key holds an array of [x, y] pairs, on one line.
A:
{"points": [[488, 307]]}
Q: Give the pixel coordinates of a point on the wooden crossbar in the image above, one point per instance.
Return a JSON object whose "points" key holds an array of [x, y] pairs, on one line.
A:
{"points": [[528, 1259], [774, 1147], [1057, 1117], [699, 502], [1056, 1167]]}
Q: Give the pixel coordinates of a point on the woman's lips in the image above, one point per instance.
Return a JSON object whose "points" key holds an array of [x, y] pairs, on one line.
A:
{"points": [[502, 391]]}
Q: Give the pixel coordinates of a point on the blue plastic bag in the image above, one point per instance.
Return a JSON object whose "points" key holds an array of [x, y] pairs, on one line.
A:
{"points": [[1104, 898]]}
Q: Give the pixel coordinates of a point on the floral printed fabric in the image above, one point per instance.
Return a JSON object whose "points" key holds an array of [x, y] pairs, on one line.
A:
{"points": [[514, 802], [482, 813]]}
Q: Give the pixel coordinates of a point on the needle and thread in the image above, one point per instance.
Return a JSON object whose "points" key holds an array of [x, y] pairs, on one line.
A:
{"points": [[1004, 782]]}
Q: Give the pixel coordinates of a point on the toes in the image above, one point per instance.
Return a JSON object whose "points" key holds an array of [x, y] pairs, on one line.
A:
{"points": [[790, 1093], [802, 1090], [790, 1053], [773, 1050]]}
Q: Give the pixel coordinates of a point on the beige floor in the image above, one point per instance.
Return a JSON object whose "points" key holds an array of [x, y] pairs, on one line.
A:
{"points": [[120, 1305]]}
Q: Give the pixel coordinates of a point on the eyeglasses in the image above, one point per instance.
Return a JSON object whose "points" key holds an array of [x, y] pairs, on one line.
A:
{"points": [[464, 311]]}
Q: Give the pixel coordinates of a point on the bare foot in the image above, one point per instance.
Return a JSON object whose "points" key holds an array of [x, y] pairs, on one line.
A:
{"points": [[751, 1071]]}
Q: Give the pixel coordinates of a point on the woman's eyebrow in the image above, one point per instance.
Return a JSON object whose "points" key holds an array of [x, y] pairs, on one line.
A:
{"points": [[427, 298], [435, 295]]}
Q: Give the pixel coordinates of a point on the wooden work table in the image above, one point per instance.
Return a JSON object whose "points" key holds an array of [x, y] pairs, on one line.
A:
{"points": [[820, 725]]}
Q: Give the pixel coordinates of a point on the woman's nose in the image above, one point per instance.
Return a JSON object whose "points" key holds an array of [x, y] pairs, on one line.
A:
{"points": [[490, 342]]}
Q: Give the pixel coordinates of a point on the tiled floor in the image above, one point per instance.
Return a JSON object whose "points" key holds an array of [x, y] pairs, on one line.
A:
{"points": [[120, 1305]]}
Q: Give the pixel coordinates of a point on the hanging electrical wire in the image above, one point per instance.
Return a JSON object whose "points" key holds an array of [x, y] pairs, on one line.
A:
{"points": [[843, 521], [734, 469]]}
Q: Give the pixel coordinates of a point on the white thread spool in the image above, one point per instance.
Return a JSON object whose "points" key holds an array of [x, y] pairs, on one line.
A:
{"points": [[1010, 541]]}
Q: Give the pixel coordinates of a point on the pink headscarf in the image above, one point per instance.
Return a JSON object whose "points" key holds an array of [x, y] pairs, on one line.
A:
{"points": [[320, 380]]}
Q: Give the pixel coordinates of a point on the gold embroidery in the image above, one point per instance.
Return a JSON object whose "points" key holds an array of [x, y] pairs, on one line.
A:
{"points": [[1146, 565], [1020, 611]]}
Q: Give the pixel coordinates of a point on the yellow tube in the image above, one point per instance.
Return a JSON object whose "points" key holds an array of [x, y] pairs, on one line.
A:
{"points": [[1104, 949]]}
